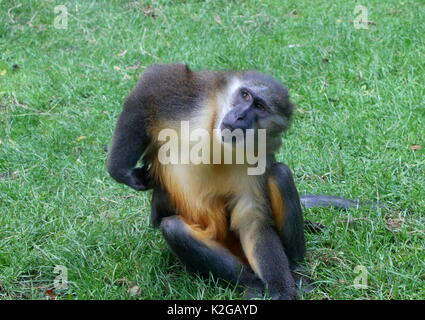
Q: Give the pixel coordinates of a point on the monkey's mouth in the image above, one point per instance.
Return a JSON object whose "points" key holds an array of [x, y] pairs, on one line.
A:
{"points": [[233, 140], [229, 133], [239, 138]]}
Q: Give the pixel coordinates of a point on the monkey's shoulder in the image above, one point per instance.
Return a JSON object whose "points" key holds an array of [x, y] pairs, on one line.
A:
{"points": [[179, 78], [167, 90]]}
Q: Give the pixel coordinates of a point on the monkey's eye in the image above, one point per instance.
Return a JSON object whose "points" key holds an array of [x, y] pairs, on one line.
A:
{"points": [[259, 105], [245, 95]]}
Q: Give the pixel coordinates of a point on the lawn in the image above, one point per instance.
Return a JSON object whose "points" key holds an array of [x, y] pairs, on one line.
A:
{"points": [[358, 133]]}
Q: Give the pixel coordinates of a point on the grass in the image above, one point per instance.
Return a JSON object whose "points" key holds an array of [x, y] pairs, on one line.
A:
{"points": [[360, 97]]}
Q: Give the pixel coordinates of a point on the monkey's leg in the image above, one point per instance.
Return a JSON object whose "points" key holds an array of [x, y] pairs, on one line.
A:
{"points": [[160, 206], [289, 219], [286, 207], [206, 256]]}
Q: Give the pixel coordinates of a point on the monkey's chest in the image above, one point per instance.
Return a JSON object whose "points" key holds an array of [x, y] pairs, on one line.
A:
{"points": [[201, 195], [206, 199]]}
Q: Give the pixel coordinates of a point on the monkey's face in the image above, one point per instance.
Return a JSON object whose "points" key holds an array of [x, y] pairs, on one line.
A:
{"points": [[246, 109], [258, 102]]}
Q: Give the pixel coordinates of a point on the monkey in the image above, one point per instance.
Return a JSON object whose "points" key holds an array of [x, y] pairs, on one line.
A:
{"points": [[247, 229]]}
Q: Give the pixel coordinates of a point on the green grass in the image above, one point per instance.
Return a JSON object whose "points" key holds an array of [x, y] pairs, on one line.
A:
{"points": [[360, 97]]}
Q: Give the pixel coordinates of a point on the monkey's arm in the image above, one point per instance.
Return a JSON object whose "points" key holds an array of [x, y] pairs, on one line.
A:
{"points": [[267, 257], [129, 142]]}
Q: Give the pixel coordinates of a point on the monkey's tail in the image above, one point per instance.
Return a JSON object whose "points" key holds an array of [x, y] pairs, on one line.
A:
{"points": [[310, 201], [313, 200]]}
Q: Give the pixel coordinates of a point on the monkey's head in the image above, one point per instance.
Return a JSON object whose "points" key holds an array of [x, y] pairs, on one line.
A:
{"points": [[255, 101]]}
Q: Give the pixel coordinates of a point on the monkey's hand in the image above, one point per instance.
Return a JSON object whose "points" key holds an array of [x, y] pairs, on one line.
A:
{"points": [[139, 179]]}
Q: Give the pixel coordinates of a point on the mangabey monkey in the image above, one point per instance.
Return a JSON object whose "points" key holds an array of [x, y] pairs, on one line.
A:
{"points": [[216, 217]]}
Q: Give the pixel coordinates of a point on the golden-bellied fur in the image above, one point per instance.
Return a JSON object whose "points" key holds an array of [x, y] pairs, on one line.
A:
{"points": [[277, 203], [214, 211]]}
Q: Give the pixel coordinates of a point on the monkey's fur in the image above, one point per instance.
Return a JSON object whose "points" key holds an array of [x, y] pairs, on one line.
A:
{"points": [[247, 229]]}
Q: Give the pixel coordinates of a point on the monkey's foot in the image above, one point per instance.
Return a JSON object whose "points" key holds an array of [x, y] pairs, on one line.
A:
{"points": [[254, 291]]}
